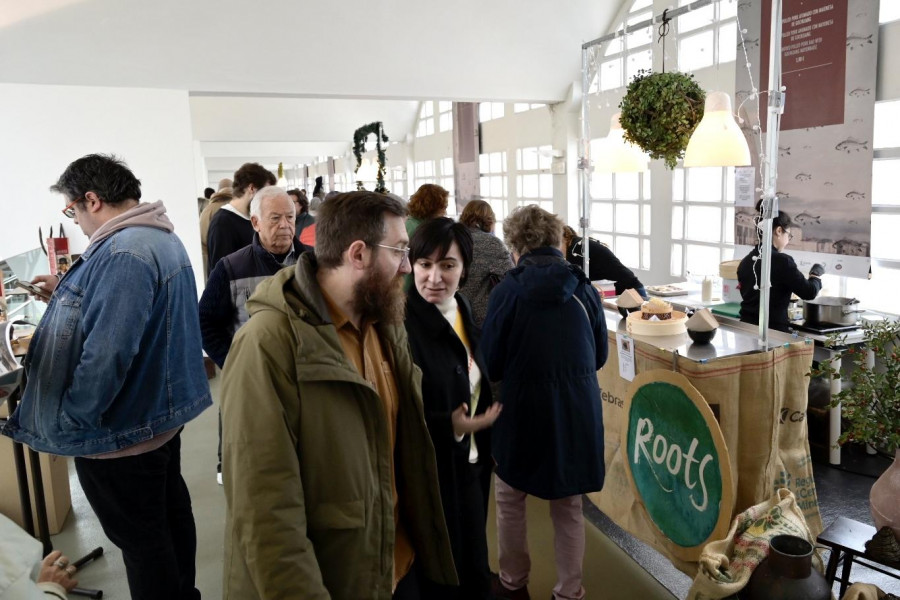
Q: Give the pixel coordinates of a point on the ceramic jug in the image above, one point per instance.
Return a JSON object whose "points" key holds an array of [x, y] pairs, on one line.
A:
{"points": [[787, 573]]}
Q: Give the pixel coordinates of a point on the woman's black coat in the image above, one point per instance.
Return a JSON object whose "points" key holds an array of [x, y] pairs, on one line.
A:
{"points": [[438, 351]]}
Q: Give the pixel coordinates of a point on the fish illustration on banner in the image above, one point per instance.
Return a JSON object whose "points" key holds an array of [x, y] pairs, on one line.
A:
{"points": [[825, 152]]}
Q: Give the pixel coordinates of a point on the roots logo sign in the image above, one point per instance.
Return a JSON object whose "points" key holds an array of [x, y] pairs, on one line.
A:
{"points": [[677, 461]]}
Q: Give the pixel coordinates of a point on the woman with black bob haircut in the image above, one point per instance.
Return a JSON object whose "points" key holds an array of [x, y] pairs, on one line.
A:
{"points": [[457, 398], [786, 278]]}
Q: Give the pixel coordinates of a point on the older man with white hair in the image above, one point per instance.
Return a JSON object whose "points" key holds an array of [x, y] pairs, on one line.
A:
{"points": [[235, 277]]}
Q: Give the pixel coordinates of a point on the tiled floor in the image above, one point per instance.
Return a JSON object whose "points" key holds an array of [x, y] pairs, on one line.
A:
{"points": [[609, 572]]}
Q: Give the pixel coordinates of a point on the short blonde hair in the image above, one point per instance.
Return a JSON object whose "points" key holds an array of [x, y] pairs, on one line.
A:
{"points": [[530, 227]]}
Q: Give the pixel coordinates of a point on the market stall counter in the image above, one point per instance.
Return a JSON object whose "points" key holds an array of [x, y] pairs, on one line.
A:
{"points": [[757, 397]]}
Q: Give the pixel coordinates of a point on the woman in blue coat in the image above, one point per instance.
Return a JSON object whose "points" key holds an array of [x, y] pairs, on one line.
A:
{"points": [[443, 339], [545, 338]]}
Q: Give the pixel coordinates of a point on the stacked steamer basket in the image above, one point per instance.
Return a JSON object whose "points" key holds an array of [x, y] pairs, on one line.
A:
{"points": [[656, 317]]}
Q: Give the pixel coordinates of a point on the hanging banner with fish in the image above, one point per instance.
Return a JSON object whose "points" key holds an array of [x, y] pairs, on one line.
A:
{"points": [[824, 184]]}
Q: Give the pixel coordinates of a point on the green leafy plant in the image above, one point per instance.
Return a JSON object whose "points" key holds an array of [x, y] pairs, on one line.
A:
{"points": [[359, 146], [660, 112], [870, 405]]}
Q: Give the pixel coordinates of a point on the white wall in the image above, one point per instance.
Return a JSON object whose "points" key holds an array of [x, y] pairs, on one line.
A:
{"points": [[44, 128]]}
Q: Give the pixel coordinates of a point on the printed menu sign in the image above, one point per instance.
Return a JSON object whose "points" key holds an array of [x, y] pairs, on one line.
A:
{"points": [[813, 61]]}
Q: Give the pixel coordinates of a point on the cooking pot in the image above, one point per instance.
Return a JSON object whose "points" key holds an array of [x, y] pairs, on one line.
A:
{"points": [[831, 309]]}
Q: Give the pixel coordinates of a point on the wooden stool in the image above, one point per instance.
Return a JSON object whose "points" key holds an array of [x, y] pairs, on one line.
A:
{"points": [[847, 540]]}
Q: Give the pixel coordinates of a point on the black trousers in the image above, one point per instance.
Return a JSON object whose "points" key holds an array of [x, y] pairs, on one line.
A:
{"points": [[408, 587], [468, 537], [144, 507]]}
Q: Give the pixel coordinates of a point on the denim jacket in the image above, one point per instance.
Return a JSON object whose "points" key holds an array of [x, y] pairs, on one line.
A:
{"points": [[116, 360]]}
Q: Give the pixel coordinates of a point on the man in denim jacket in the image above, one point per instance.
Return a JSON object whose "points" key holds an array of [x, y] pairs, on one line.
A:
{"points": [[115, 370]]}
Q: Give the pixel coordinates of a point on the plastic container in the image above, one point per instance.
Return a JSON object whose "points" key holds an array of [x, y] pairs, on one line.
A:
{"points": [[730, 291]]}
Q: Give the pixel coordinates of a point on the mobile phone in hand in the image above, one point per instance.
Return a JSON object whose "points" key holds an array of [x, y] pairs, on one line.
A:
{"points": [[37, 290]]}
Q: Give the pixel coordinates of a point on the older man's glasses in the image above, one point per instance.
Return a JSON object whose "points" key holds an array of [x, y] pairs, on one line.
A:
{"points": [[403, 251], [69, 210]]}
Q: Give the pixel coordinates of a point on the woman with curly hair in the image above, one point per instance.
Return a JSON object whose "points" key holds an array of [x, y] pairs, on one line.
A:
{"points": [[544, 339], [429, 202]]}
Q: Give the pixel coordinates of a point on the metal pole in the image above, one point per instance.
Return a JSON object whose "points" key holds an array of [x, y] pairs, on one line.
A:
{"points": [[584, 161], [770, 171]]}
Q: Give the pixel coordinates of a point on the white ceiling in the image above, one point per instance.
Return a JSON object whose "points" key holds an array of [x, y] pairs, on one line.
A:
{"points": [[302, 71]]}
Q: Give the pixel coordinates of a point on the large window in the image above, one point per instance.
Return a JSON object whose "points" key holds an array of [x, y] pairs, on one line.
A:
{"points": [[620, 215], [707, 36], [424, 173], [702, 220], [624, 56], [343, 184], [445, 180], [523, 107], [534, 183], [490, 110], [395, 181], [445, 116], [426, 119], [493, 182], [879, 292]]}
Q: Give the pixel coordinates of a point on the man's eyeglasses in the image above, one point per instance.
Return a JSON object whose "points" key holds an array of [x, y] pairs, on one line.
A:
{"points": [[69, 210], [403, 251], [790, 235]]}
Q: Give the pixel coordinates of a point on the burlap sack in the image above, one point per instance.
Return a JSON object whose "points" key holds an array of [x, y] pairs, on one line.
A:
{"points": [[759, 400], [726, 565], [864, 591]]}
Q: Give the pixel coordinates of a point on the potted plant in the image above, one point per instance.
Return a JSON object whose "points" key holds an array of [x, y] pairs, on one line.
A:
{"points": [[660, 112], [870, 406]]}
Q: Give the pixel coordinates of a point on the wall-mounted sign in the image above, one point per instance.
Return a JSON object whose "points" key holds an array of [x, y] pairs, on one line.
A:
{"points": [[677, 462]]}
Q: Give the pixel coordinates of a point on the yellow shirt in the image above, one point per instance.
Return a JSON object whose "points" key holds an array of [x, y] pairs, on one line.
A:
{"points": [[364, 349]]}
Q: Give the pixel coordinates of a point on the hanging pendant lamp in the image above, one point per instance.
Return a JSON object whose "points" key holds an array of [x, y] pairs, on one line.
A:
{"points": [[717, 141], [616, 155]]}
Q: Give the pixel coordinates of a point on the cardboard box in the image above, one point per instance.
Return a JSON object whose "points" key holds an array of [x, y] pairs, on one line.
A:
{"points": [[55, 474]]}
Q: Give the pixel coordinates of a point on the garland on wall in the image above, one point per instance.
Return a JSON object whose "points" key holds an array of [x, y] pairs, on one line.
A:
{"points": [[359, 146]]}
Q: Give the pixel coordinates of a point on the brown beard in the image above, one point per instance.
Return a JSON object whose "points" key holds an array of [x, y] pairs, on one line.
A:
{"points": [[381, 300]]}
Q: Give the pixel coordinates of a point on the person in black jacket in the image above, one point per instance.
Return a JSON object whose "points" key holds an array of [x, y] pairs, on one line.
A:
{"points": [[443, 339], [545, 338], [235, 276], [785, 277], [603, 263], [230, 228]]}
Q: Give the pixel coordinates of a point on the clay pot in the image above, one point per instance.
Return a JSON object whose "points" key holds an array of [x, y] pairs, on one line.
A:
{"points": [[787, 573], [883, 498]]}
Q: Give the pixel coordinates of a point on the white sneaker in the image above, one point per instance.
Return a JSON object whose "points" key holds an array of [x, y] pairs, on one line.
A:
{"points": [[219, 478]]}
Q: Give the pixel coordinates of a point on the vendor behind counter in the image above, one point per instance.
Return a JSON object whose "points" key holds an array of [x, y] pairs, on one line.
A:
{"points": [[603, 263], [786, 278]]}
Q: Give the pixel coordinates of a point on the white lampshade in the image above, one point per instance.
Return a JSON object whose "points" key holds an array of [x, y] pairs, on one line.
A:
{"points": [[615, 155], [717, 141]]}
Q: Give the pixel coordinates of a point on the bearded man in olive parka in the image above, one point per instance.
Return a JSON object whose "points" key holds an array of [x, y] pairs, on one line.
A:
{"points": [[330, 495]]}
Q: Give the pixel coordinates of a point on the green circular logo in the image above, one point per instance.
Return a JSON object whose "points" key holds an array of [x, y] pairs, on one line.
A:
{"points": [[674, 463]]}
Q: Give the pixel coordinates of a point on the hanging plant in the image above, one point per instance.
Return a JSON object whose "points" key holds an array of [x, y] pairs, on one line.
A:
{"points": [[280, 170], [359, 146], [660, 112]]}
